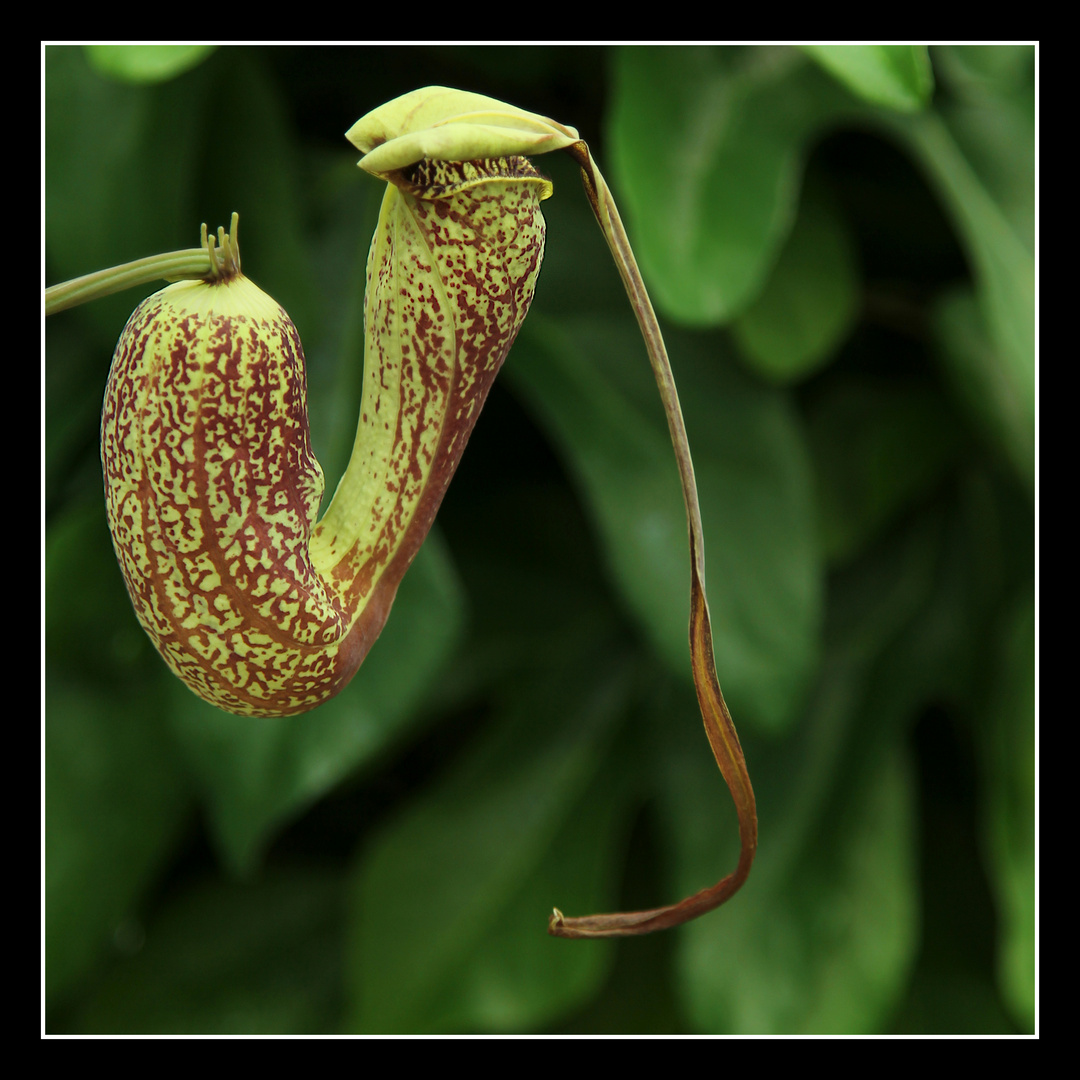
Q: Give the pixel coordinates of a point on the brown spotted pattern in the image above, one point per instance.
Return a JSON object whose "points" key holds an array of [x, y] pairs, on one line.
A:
{"points": [[211, 487]]}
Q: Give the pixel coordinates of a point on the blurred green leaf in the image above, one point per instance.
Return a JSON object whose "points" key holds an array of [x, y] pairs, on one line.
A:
{"points": [[600, 405], [828, 949], [707, 148], [134, 170], [896, 76], [991, 114], [879, 445], [115, 803], [249, 122], [823, 936], [122, 169], [809, 305], [446, 936], [115, 798], [1004, 269], [261, 958], [92, 636], [1010, 809], [977, 69], [982, 384], [146, 63]]}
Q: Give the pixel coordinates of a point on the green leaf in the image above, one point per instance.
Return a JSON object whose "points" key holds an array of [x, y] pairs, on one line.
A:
{"points": [[448, 925], [246, 104], [91, 635], [582, 381], [896, 76], [121, 164], [707, 148], [811, 299], [1010, 808], [130, 174], [826, 950], [262, 958], [115, 796], [879, 445], [1003, 267], [115, 803], [973, 70], [257, 773], [146, 63], [983, 384], [824, 934], [991, 114], [513, 980]]}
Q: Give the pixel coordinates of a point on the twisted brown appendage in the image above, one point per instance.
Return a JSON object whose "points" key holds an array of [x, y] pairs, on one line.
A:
{"points": [[719, 727]]}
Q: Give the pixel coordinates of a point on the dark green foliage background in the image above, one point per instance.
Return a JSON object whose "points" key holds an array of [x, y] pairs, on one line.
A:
{"points": [[840, 246]]}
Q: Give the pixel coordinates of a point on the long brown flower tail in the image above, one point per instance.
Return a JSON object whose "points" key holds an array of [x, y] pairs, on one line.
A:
{"points": [[719, 727]]}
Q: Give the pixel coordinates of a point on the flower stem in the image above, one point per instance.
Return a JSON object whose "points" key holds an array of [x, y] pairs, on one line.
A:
{"points": [[190, 263], [172, 266]]}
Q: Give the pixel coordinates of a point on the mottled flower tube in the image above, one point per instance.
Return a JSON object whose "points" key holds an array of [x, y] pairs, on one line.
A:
{"points": [[212, 490]]}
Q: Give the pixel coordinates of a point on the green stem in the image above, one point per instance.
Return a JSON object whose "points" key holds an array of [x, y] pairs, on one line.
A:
{"points": [[714, 712], [172, 266], [190, 263]]}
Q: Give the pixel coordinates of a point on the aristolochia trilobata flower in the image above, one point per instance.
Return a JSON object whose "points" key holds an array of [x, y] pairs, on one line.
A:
{"points": [[211, 487]]}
